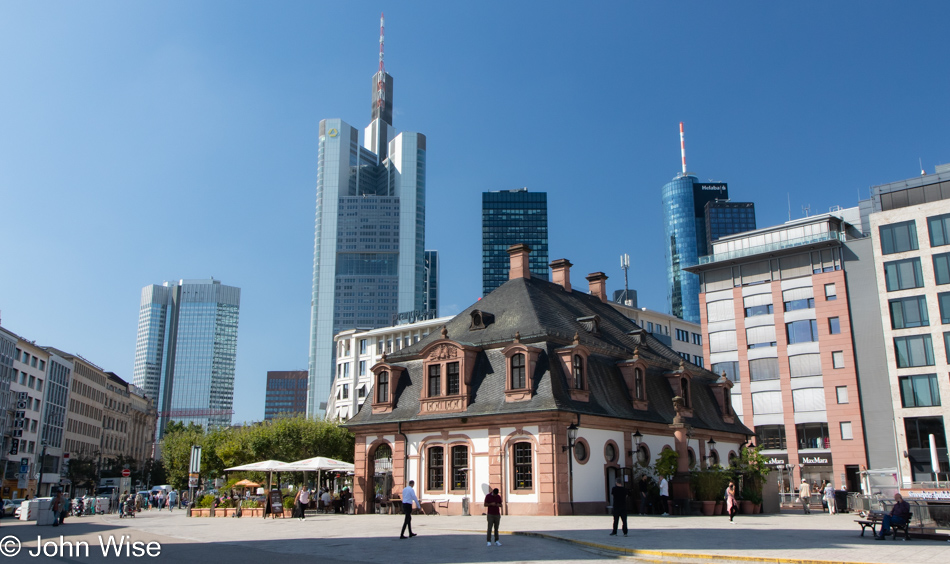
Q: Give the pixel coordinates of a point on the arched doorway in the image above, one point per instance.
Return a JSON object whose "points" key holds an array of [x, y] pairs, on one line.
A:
{"points": [[382, 475]]}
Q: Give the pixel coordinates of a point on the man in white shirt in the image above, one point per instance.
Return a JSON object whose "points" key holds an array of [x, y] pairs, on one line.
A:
{"points": [[303, 501], [408, 498], [665, 496]]}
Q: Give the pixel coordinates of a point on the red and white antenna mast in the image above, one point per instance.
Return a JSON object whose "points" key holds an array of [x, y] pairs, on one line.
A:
{"points": [[382, 34], [682, 140]]}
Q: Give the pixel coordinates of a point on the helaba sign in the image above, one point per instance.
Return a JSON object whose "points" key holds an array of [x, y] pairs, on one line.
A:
{"points": [[815, 460], [718, 187]]}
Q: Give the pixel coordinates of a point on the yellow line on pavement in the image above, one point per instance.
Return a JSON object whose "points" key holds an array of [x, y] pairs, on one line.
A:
{"points": [[667, 554]]}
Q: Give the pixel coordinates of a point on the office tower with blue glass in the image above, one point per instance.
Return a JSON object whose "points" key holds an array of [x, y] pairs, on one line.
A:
{"points": [[724, 218], [286, 394], [510, 217], [186, 349], [369, 241], [684, 203], [431, 283]]}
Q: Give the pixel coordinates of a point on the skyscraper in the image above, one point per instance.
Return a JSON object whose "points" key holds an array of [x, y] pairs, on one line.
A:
{"points": [[724, 218], [286, 393], [185, 351], [510, 217], [684, 202], [432, 283], [369, 241]]}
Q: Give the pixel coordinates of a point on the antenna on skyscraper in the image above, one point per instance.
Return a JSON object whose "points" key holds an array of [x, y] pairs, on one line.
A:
{"points": [[382, 34], [922, 171], [683, 147]]}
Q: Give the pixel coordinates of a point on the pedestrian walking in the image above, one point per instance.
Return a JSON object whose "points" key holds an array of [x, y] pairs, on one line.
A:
{"points": [[731, 507], [620, 506], [830, 498], [408, 498], [303, 501], [665, 502], [804, 493], [172, 500], [57, 507], [493, 510]]}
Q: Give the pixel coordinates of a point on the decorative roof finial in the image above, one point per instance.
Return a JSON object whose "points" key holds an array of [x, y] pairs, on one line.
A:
{"points": [[445, 332], [577, 340], [517, 336]]}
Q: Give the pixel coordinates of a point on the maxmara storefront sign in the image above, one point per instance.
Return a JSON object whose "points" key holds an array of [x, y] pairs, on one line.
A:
{"points": [[776, 459], [814, 459]]}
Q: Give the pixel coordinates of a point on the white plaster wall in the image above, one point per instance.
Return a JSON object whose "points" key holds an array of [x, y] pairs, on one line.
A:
{"points": [[590, 479]]}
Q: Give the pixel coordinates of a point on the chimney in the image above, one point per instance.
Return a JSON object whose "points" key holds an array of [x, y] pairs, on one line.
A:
{"points": [[598, 285], [519, 261], [561, 273]]}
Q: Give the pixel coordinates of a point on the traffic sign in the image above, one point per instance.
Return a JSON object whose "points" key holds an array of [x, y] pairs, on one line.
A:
{"points": [[126, 473]]}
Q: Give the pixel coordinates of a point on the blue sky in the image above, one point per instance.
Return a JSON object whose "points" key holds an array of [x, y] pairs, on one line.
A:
{"points": [[151, 141]]}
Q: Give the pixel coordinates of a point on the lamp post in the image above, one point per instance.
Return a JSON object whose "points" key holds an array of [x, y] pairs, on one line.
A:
{"points": [[39, 481], [711, 443], [571, 437], [637, 440]]}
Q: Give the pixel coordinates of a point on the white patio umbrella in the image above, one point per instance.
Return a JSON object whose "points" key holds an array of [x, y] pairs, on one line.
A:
{"points": [[269, 466], [318, 464]]}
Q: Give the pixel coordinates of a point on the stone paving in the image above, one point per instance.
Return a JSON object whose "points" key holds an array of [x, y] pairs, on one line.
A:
{"points": [[787, 537]]}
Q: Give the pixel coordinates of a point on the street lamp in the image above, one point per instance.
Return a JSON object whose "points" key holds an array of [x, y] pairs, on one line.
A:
{"points": [[710, 457], [571, 438], [637, 440], [39, 482]]}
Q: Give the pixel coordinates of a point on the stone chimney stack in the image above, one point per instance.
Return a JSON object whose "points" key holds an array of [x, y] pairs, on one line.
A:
{"points": [[518, 255], [561, 273], [598, 285]]}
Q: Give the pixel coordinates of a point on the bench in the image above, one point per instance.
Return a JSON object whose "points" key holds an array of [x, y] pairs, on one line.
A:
{"points": [[874, 520]]}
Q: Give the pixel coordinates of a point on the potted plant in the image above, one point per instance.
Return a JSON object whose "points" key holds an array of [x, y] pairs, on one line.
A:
{"points": [[707, 485], [751, 468]]}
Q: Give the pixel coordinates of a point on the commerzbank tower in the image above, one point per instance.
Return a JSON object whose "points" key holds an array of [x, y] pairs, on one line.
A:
{"points": [[369, 240]]}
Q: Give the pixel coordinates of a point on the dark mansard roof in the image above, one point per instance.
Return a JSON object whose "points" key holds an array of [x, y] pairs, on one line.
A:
{"points": [[545, 316]]}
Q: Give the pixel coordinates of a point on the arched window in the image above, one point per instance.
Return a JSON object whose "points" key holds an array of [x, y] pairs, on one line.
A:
{"points": [[517, 372], [684, 384], [382, 387], [638, 383], [521, 454], [578, 372]]}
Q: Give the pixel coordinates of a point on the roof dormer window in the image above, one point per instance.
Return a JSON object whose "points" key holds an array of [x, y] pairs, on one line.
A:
{"points": [[521, 360]]}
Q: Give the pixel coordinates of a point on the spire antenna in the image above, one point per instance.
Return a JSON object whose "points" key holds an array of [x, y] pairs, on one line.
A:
{"points": [[683, 147], [382, 35]]}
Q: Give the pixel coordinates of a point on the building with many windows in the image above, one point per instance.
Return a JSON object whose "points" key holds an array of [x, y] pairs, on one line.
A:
{"points": [[186, 350], [543, 391], [27, 386], [682, 336], [286, 393], [910, 224], [357, 353], [724, 218], [510, 217], [431, 283], [368, 258], [776, 321]]}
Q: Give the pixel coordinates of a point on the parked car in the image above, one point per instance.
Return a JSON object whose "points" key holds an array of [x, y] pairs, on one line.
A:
{"points": [[9, 506]]}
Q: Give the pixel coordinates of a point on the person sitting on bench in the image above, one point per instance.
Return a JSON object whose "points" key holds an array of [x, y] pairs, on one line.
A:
{"points": [[900, 516]]}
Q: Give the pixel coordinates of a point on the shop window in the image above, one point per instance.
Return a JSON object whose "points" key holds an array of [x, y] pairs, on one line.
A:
{"points": [[812, 435]]}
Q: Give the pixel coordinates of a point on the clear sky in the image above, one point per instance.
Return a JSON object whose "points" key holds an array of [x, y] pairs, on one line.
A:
{"points": [[150, 141]]}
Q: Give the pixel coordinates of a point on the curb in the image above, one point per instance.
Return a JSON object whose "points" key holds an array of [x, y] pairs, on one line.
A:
{"points": [[664, 555]]}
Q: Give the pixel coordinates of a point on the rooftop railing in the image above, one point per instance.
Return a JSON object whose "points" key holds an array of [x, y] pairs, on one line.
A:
{"points": [[772, 247]]}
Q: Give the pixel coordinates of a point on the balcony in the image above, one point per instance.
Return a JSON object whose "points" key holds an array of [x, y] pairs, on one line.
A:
{"points": [[772, 247]]}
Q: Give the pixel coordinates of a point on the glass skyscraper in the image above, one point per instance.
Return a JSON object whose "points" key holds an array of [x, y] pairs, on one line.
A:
{"points": [[185, 351], [510, 217], [684, 202], [724, 218], [431, 283], [369, 242]]}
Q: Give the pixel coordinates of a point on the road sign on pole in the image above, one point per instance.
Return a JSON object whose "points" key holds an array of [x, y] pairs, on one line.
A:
{"points": [[195, 466]]}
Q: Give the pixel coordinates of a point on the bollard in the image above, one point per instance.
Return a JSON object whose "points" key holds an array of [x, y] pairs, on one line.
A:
{"points": [[465, 512]]}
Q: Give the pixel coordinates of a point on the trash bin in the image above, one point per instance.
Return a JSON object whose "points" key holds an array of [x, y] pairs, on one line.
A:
{"points": [[350, 506], [841, 501]]}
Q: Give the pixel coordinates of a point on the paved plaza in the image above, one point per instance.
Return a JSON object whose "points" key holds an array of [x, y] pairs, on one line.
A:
{"points": [[788, 537]]}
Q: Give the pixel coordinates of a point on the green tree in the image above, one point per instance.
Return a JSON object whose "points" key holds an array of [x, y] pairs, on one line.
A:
{"points": [[667, 463]]}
